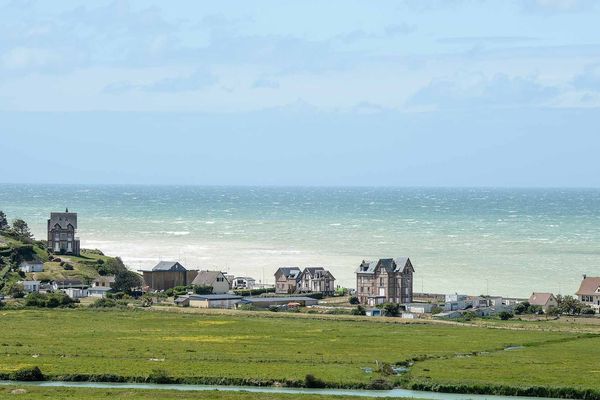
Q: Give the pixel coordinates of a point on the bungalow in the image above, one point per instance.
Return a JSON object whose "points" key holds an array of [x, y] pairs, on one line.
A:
{"points": [[68, 283], [214, 300], [98, 291], [546, 301], [589, 292], [455, 302], [215, 279], [266, 302], [243, 282], [31, 286], [31, 266], [286, 280], [75, 293]]}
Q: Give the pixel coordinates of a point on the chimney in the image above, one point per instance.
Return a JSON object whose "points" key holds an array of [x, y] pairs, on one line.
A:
{"points": [[67, 210], [584, 276]]}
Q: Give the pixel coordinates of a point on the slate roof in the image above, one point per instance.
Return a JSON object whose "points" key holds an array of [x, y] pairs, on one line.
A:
{"points": [[63, 219], [207, 278], [317, 272], [390, 264], [540, 299], [289, 272], [589, 286], [172, 266]]}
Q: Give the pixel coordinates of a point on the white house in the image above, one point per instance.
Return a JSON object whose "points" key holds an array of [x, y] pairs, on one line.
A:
{"points": [[31, 286], [31, 266], [243, 282], [546, 301], [215, 279], [75, 293], [589, 292]]}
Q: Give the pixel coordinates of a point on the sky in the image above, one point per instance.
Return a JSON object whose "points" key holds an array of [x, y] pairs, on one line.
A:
{"points": [[336, 93]]}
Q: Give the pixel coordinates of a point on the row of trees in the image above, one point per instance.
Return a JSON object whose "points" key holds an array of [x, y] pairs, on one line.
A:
{"points": [[19, 228]]}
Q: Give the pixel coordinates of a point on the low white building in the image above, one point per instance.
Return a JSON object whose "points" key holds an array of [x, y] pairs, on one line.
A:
{"points": [[31, 286], [98, 291], [214, 300], [31, 266], [419, 308], [75, 293]]}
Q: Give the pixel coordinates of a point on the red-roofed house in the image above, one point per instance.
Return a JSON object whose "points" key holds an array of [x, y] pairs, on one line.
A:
{"points": [[589, 292], [544, 300]]}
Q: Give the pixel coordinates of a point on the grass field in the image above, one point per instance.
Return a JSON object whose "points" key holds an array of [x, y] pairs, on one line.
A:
{"points": [[37, 393], [254, 349]]}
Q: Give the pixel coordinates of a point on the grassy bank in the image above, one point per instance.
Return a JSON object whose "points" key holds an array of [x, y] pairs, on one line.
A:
{"points": [[38, 393]]}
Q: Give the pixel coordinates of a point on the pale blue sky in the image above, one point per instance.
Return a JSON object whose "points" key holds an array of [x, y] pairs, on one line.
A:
{"points": [[419, 93]]}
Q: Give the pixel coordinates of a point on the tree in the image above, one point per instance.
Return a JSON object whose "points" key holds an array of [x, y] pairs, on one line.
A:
{"points": [[3, 221], [127, 280], [21, 230], [569, 305], [391, 309]]}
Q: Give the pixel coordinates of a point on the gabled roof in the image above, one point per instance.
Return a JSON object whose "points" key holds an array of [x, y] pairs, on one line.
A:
{"points": [[63, 219], [289, 272], [207, 278], [540, 299], [589, 286], [317, 272], [170, 266], [398, 264]]}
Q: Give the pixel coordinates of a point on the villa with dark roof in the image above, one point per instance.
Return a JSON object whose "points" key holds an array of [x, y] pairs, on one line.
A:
{"points": [[389, 280], [61, 233], [168, 274], [316, 280]]}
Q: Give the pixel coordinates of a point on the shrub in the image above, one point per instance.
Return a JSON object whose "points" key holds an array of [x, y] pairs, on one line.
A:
{"points": [[380, 384], [104, 303], [588, 311], [354, 300], [68, 267], [159, 376], [247, 307], [30, 374], [273, 308], [359, 310], [505, 315], [310, 381]]}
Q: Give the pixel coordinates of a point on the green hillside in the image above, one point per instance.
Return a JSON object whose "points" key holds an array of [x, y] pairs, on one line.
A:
{"points": [[86, 267]]}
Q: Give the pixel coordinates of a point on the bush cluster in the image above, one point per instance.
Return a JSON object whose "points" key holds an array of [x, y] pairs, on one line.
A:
{"points": [[50, 300]]}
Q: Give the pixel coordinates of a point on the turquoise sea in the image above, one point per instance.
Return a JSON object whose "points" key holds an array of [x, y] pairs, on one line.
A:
{"points": [[477, 241]]}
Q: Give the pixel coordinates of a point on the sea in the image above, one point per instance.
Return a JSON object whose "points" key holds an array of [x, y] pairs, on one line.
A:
{"points": [[496, 241]]}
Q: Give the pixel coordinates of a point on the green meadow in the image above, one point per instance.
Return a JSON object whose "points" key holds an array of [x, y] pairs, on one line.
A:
{"points": [[245, 348]]}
